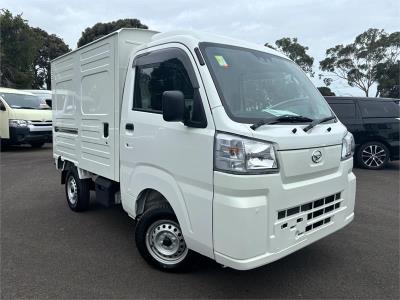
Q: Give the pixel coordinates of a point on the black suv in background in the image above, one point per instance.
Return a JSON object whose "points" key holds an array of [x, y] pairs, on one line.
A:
{"points": [[375, 124]]}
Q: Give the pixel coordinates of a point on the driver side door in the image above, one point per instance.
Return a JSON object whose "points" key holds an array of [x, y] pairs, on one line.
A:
{"points": [[170, 156]]}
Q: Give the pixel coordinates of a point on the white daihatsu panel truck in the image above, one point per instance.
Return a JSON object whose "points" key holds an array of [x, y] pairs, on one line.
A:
{"points": [[213, 145]]}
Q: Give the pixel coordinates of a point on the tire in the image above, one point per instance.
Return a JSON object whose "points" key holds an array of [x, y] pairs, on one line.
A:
{"points": [[160, 241], [37, 145], [373, 156], [77, 191], [3, 145]]}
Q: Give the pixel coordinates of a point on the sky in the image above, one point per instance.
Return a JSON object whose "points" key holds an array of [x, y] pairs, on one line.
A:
{"points": [[317, 24]]}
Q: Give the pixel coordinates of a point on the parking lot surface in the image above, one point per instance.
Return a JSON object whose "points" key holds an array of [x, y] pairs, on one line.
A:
{"points": [[48, 251]]}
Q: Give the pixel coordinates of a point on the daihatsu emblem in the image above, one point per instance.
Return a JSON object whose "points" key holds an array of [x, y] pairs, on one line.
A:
{"points": [[316, 156]]}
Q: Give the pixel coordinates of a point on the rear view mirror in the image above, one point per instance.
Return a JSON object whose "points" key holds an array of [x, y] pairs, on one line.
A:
{"points": [[48, 102], [2, 106], [173, 106]]}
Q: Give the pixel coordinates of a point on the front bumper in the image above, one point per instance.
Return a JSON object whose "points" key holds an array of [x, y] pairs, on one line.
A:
{"points": [[247, 230], [30, 134]]}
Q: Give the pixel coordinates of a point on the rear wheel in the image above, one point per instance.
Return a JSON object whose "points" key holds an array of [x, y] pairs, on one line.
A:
{"points": [[160, 240], [77, 191], [373, 155]]}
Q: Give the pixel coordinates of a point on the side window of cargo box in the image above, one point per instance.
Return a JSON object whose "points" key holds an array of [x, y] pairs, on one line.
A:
{"points": [[166, 72]]}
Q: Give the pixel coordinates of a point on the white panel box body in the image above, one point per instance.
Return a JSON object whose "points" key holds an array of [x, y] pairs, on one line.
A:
{"points": [[87, 86]]}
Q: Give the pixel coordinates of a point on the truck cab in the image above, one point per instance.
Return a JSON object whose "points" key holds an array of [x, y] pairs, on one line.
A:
{"points": [[214, 145], [23, 120]]}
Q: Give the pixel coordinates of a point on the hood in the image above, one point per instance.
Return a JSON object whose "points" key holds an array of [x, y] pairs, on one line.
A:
{"points": [[31, 114], [285, 136], [292, 136]]}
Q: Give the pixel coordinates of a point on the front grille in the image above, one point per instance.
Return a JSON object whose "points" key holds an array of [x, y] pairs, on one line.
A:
{"points": [[317, 224], [304, 218], [312, 206], [41, 123]]}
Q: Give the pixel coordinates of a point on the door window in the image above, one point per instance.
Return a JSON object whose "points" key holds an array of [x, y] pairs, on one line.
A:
{"points": [[344, 110], [379, 109], [171, 73]]}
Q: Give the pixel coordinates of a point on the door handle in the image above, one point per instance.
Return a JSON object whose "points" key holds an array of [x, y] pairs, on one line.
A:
{"points": [[129, 126], [105, 130]]}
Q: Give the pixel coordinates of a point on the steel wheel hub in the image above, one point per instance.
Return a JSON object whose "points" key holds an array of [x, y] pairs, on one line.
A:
{"points": [[165, 242], [72, 190], [373, 156]]}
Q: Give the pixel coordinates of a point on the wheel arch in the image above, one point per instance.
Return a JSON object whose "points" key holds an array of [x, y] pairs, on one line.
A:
{"points": [[149, 182], [149, 198]]}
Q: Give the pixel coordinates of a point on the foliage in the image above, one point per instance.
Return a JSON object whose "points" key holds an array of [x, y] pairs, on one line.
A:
{"points": [[388, 72], [358, 62], [326, 91], [101, 29], [17, 51], [26, 53], [51, 46], [296, 52]]}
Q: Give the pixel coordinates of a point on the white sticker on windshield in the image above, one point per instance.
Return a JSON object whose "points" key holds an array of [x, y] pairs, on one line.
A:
{"points": [[221, 61], [279, 112]]}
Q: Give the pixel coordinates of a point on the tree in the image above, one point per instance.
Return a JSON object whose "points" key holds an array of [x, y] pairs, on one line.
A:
{"points": [[17, 51], [326, 91], [101, 29], [388, 72], [51, 46], [358, 62], [296, 52]]}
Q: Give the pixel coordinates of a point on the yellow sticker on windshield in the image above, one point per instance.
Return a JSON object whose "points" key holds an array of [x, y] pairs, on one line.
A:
{"points": [[221, 61]]}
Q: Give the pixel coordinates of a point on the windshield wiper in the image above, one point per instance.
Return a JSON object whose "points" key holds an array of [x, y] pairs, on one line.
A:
{"points": [[281, 119], [316, 122]]}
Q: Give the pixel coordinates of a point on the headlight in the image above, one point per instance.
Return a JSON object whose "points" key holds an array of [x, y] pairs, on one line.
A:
{"points": [[242, 155], [18, 123], [348, 146]]}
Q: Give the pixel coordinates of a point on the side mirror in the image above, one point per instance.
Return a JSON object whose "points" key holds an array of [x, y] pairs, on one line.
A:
{"points": [[173, 106], [48, 102], [2, 106]]}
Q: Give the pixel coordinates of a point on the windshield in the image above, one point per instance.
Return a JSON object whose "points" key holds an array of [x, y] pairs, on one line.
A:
{"points": [[255, 85], [22, 101]]}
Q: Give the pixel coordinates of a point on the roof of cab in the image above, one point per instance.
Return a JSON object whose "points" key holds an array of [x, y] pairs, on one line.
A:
{"points": [[14, 91], [197, 37]]}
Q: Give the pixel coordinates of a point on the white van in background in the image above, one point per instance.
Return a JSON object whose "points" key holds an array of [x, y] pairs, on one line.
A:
{"points": [[213, 145], [23, 120]]}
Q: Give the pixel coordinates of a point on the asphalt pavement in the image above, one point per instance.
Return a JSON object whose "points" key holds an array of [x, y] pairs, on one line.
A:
{"points": [[48, 251]]}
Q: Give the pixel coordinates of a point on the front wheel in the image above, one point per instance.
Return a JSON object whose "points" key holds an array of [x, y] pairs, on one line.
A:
{"points": [[373, 156], [160, 241]]}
